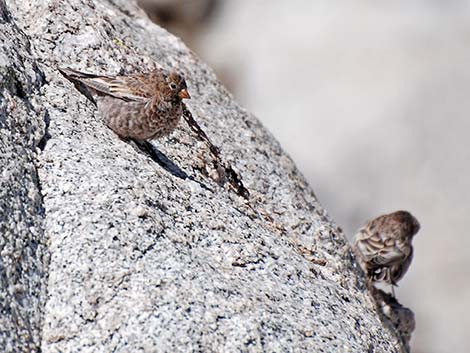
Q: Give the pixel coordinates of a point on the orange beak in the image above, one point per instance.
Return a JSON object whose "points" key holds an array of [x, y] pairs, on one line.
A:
{"points": [[184, 94]]}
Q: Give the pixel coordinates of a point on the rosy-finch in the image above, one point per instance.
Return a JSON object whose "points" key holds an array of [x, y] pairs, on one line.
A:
{"points": [[383, 246], [147, 106], [141, 106]]}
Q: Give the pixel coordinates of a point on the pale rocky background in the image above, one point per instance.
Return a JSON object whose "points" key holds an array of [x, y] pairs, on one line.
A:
{"points": [[371, 100], [104, 250]]}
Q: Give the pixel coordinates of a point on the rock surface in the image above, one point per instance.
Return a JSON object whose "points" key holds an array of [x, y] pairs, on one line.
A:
{"points": [[104, 250], [23, 256]]}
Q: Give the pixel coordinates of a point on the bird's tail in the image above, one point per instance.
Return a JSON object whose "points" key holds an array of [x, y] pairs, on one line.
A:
{"points": [[100, 85], [79, 80], [74, 74]]}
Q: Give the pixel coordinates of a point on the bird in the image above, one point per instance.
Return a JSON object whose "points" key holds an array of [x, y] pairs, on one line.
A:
{"points": [[383, 246], [141, 106], [146, 106]]}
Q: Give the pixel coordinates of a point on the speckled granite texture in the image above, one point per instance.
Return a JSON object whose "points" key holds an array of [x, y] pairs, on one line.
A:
{"points": [[23, 255], [104, 250]]}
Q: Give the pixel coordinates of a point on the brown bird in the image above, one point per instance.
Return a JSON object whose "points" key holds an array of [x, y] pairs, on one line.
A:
{"points": [[142, 106], [383, 246]]}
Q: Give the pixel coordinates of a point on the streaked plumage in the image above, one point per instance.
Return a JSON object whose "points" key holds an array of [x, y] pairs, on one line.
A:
{"points": [[383, 246], [142, 106]]}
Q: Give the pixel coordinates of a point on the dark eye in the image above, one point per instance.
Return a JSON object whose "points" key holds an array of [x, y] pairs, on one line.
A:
{"points": [[173, 86]]}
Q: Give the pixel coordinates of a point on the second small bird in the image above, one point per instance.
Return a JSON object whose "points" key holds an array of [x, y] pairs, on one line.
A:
{"points": [[383, 246]]}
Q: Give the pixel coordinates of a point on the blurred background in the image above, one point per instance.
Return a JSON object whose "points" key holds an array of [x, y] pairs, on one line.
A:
{"points": [[371, 100]]}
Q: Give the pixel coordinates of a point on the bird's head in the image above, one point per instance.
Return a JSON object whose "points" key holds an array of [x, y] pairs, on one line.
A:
{"points": [[176, 86], [408, 220]]}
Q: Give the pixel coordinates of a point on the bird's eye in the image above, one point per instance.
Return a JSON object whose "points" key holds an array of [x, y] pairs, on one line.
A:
{"points": [[173, 86]]}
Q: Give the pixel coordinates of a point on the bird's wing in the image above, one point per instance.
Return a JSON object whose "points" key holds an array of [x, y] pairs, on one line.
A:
{"points": [[387, 256], [118, 87], [369, 243], [376, 245]]}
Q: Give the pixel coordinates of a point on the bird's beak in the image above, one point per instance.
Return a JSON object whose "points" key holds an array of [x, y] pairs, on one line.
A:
{"points": [[184, 94]]}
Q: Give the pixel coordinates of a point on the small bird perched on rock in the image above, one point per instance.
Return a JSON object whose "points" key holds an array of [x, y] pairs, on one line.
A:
{"points": [[383, 246], [141, 106], [146, 106]]}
